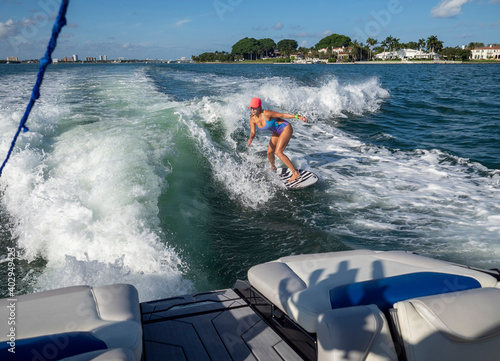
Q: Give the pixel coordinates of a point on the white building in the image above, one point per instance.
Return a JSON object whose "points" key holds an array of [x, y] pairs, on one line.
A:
{"points": [[407, 54], [336, 50], [486, 52]]}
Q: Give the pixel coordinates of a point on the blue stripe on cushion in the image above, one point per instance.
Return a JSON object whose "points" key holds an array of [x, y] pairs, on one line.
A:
{"points": [[385, 292], [51, 347]]}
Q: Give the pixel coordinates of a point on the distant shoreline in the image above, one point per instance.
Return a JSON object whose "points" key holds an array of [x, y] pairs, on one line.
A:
{"points": [[385, 62]]}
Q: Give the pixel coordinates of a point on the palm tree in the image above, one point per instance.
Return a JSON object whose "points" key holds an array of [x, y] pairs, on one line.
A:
{"points": [[371, 42], [396, 45], [354, 52], [421, 43], [304, 51], [389, 41], [330, 52], [384, 44], [434, 44]]}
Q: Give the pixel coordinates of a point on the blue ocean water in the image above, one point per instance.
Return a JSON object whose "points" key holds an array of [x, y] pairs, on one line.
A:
{"points": [[141, 173]]}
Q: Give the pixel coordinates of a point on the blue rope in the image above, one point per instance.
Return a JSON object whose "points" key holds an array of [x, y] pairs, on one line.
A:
{"points": [[44, 62]]}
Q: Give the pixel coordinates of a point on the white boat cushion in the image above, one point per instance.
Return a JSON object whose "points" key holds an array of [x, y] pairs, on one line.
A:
{"points": [[354, 333], [109, 313], [455, 326], [300, 285]]}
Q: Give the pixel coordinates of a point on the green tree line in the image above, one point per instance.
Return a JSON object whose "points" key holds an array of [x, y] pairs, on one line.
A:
{"points": [[253, 49]]}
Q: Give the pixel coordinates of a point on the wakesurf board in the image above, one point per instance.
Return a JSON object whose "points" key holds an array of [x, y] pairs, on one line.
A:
{"points": [[306, 178]]}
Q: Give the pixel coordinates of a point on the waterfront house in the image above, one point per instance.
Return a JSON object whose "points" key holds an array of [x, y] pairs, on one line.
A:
{"points": [[486, 52], [407, 54]]}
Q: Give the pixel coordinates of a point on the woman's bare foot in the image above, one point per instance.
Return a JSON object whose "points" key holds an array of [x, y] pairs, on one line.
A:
{"points": [[294, 176], [273, 168]]}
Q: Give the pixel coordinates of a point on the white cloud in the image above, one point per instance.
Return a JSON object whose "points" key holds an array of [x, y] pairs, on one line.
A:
{"points": [[182, 22], [26, 29], [448, 8], [278, 26], [9, 28]]}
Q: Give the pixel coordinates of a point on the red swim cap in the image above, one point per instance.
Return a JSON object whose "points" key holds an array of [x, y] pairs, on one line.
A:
{"points": [[255, 103]]}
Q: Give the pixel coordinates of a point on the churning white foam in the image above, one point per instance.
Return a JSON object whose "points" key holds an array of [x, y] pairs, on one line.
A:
{"points": [[86, 199], [330, 99], [241, 171], [422, 199]]}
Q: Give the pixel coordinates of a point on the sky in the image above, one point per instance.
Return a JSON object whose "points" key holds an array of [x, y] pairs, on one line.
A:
{"points": [[171, 29]]}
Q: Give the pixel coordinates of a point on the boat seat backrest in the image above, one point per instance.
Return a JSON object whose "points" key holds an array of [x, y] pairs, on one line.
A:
{"points": [[74, 320], [302, 285], [455, 326], [387, 291], [354, 333]]}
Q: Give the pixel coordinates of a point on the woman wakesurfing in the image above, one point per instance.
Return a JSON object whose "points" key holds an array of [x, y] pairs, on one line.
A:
{"points": [[281, 132]]}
